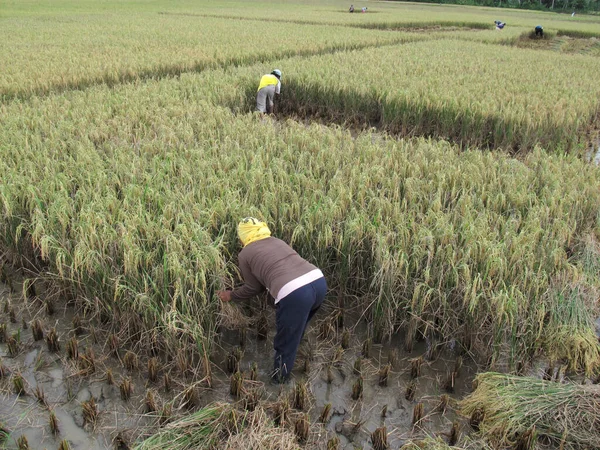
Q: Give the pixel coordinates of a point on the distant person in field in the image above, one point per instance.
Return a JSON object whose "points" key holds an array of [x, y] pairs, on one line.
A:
{"points": [[499, 25], [539, 31], [351, 8], [270, 85], [297, 286], [364, 9]]}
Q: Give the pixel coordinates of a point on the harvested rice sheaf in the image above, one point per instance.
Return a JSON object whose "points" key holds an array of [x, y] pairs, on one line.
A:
{"points": [[212, 427], [513, 405]]}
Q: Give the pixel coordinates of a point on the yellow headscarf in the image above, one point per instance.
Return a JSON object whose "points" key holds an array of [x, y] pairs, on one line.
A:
{"points": [[252, 230]]}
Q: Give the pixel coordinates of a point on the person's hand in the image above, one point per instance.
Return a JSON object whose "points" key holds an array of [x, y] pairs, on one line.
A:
{"points": [[225, 296]]}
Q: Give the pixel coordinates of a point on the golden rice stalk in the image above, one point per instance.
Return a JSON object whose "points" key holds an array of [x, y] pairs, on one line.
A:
{"points": [[232, 317], [513, 405]]}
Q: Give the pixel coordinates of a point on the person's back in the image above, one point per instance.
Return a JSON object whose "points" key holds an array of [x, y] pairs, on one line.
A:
{"points": [[539, 30], [270, 84], [273, 263]]}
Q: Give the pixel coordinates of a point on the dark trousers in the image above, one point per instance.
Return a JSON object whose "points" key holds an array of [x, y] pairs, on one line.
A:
{"points": [[294, 311], [539, 32]]}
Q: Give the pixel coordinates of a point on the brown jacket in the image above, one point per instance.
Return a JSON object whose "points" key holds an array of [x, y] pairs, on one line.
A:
{"points": [[269, 263]]}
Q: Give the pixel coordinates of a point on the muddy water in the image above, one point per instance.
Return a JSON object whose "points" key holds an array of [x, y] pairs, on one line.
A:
{"points": [[368, 410], [66, 389], [63, 388]]}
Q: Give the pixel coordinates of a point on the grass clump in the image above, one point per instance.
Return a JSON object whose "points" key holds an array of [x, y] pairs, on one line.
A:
{"points": [[564, 412]]}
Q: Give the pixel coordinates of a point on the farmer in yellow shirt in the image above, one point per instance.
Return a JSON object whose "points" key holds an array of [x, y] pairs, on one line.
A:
{"points": [[270, 85]]}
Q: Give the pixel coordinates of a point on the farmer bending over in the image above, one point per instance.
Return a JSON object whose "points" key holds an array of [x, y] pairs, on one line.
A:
{"points": [[499, 25], [270, 85], [539, 31], [297, 286]]}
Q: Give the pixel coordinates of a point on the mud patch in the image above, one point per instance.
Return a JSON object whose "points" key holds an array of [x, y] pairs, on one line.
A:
{"points": [[328, 369]]}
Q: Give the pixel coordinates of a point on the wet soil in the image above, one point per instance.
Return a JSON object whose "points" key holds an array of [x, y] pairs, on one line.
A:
{"points": [[63, 384], [322, 363], [66, 387], [366, 412]]}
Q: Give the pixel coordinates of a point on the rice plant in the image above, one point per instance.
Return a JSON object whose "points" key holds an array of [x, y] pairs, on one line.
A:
{"points": [[333, 443], [22, 443], [384, 374], [236, 384], [504, 406], [52, 341], [18, 383], [131, 361], [109, 377], [77, 325], [153, 369], [302, 428], [411, 389], [40, 396], [379, 439], [418, 414], [325, 413], [90, 412], [395, 219], [150, 401], [300, 396], [126, 388], [37, 330], [357, 388], [73, 348], [53, 423]]}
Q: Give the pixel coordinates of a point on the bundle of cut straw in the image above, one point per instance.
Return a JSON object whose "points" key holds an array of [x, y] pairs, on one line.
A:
{"points": [[567, 413]]}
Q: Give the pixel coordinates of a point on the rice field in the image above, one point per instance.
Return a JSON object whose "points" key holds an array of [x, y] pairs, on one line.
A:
{"points": [[435, 170]]}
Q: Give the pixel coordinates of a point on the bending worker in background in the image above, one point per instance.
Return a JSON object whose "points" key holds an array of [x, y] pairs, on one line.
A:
{"points": [[297, 286], [270, 85], [539, 31]]}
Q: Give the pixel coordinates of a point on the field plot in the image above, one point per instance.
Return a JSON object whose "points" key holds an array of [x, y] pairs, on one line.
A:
{"points": [[126, 163], [86, 50], [458, 91], [388, 15], [144, 192]]}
